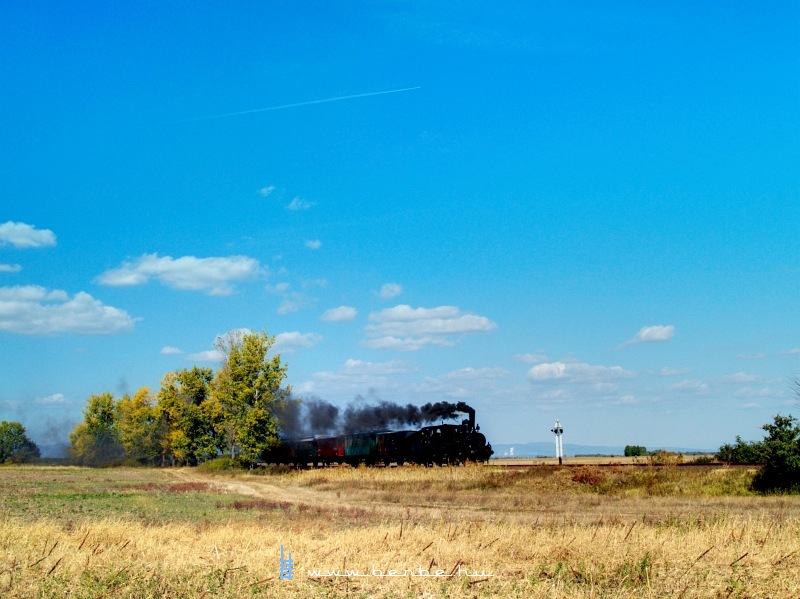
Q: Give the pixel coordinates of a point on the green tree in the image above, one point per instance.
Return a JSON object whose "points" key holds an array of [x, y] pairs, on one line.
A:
{"points": [[15, 446], [781, 469], [186, 416], [742, 452], [96, 441], [635, 450], [138, 426], [246, 394]]}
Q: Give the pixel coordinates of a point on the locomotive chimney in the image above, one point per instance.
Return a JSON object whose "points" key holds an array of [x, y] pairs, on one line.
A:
{"points": [[470, 413]]}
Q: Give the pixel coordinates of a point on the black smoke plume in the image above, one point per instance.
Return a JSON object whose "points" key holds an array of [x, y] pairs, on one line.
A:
{"points": [[315, 416]]}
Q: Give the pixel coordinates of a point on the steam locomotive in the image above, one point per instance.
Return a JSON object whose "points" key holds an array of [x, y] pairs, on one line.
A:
{"points": [[440, 444]]}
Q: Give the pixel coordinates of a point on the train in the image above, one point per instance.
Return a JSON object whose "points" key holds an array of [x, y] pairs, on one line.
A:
{"points": [[440, 444]]}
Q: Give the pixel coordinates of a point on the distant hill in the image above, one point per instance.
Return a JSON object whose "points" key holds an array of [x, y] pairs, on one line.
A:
{"points": [[548, 449]]}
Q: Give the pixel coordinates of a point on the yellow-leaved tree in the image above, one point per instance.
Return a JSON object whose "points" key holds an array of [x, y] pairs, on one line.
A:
{"points": [[246, 393], [95, 441], [138, 426]]}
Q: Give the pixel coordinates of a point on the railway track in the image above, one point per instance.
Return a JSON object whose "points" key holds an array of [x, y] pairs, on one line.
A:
{"points": [[605, 462]]}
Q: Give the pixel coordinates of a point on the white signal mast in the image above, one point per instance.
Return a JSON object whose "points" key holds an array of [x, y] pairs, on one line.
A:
{"points": [[558, 431]]}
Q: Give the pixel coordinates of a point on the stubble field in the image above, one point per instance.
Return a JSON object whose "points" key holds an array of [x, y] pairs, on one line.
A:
{"points": [[475, 531]]}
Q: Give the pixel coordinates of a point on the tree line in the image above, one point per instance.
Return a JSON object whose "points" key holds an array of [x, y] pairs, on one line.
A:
{"points": [[196, 414]]}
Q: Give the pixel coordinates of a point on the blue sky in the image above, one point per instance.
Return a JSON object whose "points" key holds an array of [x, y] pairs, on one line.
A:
{"points": [[585, 211]]}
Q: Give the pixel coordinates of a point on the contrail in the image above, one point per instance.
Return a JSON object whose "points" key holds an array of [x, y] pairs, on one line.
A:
{"points": [[296, 104]]}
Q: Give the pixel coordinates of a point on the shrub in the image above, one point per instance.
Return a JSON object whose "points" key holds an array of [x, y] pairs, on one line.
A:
{"points": [[661, 457], [781, 469], [742, 452], [221, 463], [589, 475]]}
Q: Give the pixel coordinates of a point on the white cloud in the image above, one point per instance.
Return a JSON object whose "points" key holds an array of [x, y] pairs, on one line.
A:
{"points": [[578, 372], [652, 334], [390, 290], [340, 314], [758, 392], [473, 374], [353, 367], [310, 283], [667, 371], [279, 288], [406, 344], [548, 370], [410, 329], [290, 341], [305, 388], [356, 375], [741, 377], [405, 320], [265, 191], [313, 244], [211, 355], [406, 313], [22, 235], [299, 203], [791, 352], [293, 301], [751, 356], [168, 350], [212, 275], [531, 358], [33, 310], [691, 386], [55, 398], [464, 383], [10, 267]]}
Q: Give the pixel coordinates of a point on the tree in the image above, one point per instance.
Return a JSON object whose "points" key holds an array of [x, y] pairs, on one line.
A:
{"points": [[96, 441], [781, 469], [185, 416], [635, 450], [138, 426], [245, 393], [15, 446], [742, 452]]}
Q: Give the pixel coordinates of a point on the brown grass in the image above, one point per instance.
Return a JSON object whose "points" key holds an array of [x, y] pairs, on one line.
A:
{"points": [[533, 533]]}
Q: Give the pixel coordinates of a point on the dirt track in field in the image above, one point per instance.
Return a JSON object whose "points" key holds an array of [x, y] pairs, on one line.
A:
{"points": [[345, 500], [251, 488], [504, 504]]}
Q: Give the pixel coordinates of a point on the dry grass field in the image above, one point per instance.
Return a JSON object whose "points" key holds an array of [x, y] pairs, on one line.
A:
{"points": [[476, 531]]}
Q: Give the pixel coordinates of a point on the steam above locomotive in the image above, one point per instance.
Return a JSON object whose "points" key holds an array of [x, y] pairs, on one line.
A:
{"points": [[362, 434]]}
